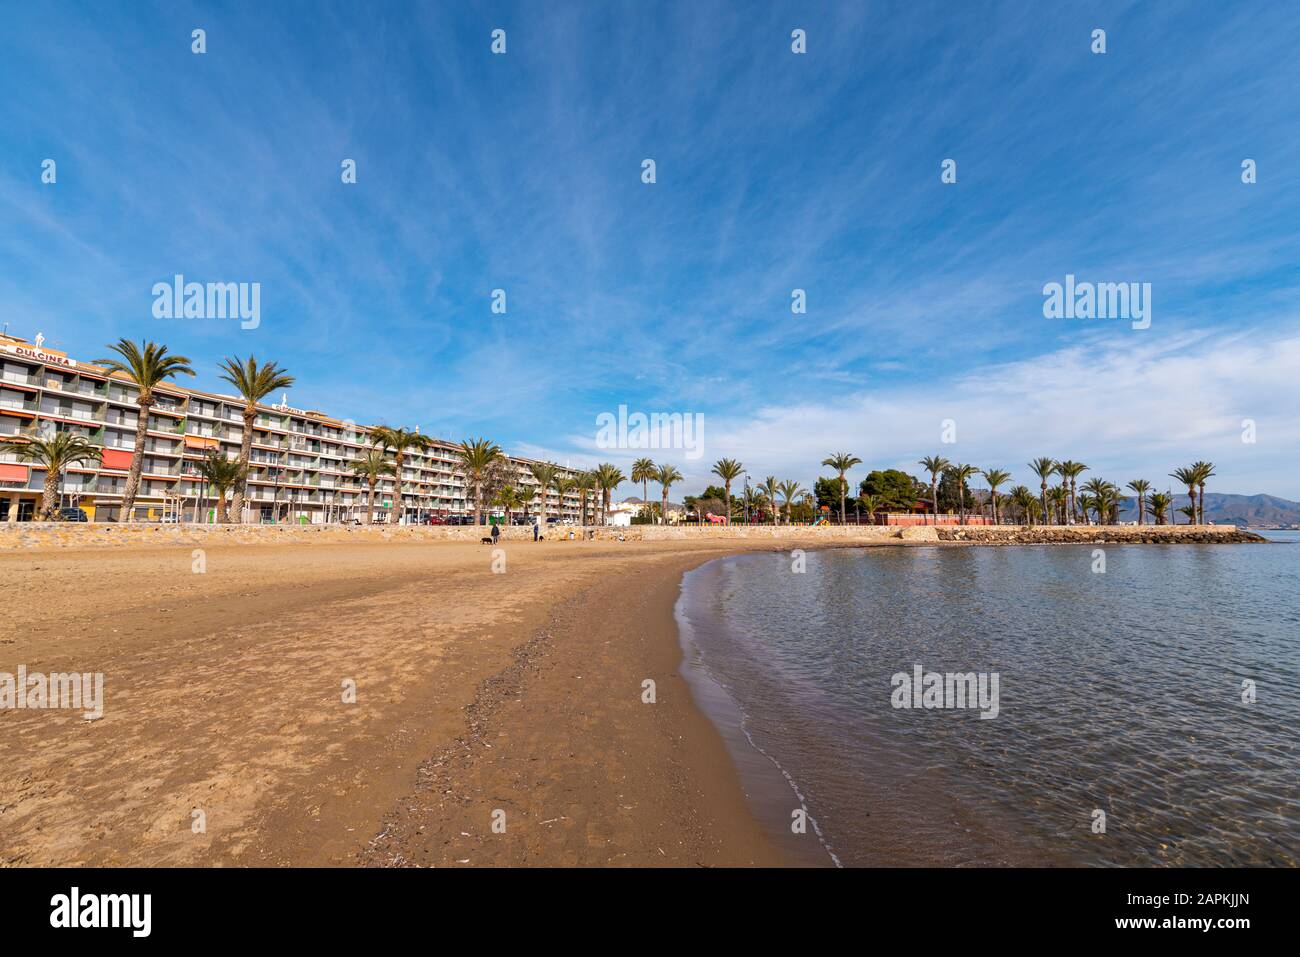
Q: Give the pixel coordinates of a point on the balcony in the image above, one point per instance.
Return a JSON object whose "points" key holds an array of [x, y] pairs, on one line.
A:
{"points": [[19, 379]]}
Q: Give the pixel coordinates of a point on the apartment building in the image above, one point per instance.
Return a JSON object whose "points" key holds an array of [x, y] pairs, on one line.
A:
{"points": [[298, 469]]}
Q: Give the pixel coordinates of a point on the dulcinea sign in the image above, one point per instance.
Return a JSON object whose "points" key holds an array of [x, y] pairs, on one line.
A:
{"points": [[37, 355]]}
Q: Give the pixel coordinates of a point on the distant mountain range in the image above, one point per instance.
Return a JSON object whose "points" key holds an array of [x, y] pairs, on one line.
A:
{"points": [[1223, 509]]}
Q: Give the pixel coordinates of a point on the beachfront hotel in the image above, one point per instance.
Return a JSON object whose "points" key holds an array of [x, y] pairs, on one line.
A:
{"points": [[298, 466]]}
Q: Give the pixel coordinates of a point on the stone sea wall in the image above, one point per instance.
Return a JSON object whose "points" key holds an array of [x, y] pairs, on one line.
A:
{"points": [[20, 535]]}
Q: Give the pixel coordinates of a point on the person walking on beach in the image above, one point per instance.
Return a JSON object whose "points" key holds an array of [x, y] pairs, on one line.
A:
{"points": [[537, 530], [496, 533]]}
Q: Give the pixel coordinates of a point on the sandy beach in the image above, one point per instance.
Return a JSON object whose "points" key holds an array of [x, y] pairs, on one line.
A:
{"points": [[477, 692]]}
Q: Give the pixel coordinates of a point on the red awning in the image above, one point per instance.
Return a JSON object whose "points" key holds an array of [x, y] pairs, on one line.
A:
{"points": [[117, 459], [14, 473]]}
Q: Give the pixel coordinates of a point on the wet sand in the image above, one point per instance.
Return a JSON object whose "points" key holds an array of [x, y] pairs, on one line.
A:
{"points": [[481, 699]]}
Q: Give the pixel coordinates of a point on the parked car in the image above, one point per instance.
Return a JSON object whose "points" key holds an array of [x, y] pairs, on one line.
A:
{"points": [[435, 520], [72, 515]]}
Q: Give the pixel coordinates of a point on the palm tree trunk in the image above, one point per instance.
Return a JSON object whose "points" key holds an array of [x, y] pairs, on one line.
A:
{"points": [[137, 463], [1201, 510], [245, 453], [664, 506], [842, 491], [934, 499], [49, 495], [370, 506], [223, 514], [478, 507], [397, 481]]}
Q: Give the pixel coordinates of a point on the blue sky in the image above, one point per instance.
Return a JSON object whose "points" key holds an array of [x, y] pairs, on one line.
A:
{"points": [[775, 171]]}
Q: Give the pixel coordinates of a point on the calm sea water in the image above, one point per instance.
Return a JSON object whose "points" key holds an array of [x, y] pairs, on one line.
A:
{"points": [[1119, 692]]}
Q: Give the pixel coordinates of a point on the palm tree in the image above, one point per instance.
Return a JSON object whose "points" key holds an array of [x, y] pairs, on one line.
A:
{"points": [[1070, 472], [1159, 504], [995, 477], [772, 488], [371, 465], [608, 478], [1023, 498], [1190, 512], [511, 499], [1097, 488], [398, 441], [584, 483], [55, 453], [545, 473], [790, 490], [477, 456], [1087, 502], [728, 470], [666, 476], [960, 474], [1189, 477], [644, 471], [563, 485], [222, 474], [1140, 487], [871, 504], [1204, 471], [147, 365], [935, 465], [1043, 468], [841, 462], [254, 383], [1059, 498]]}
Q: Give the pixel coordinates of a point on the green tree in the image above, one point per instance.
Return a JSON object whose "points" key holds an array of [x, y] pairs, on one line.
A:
{"points": [[728, 470], [147, 365], [771, 488], [545, 474], [936, 465], [790, 490], [222, 474], [55, 453], [1070, 472], [895, 488], [609, 477], [1024, 501], [253, 383], [371, 465], [841, 462], [644, 471], [477, 456], [960, 474], [1189, 477], [995, 477], [1159, 504], [1044, 468], [399, 441], [584, 483], [1140, 487], [666, 476], [1204, 471]]}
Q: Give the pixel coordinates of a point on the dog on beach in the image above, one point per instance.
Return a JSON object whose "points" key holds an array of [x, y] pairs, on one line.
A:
{"points": [[485, 540]]}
